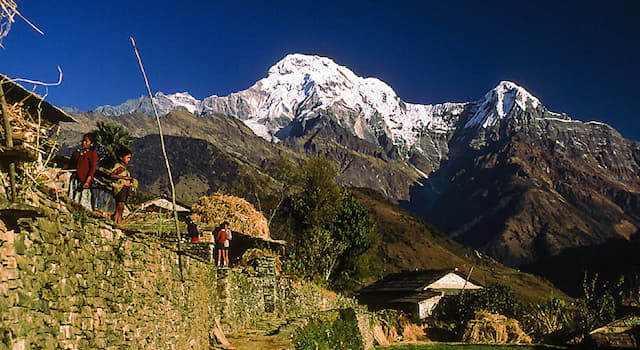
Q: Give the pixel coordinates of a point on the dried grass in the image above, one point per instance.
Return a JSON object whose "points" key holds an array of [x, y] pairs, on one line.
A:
{"points": [[8, 10], [240, 214], [412, 332], [488, 328], [379, 336], [32, 135]]}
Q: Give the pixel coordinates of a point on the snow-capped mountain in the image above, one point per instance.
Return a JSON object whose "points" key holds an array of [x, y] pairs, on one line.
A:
{"points": [[164, 104], [302, 87], [503, 173], [504, 100]]}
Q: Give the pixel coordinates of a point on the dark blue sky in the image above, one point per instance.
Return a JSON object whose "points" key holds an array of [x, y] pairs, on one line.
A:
{"points": [[578, 57]]}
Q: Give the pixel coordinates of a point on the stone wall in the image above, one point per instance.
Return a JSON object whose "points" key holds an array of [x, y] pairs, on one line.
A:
{"points": [[82, 284], [71, 280], [248, 298]]}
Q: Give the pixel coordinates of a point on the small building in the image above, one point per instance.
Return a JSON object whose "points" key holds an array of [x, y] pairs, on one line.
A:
{"points": [[27, 121], [163, 204], [619, 334], [415, 292]]}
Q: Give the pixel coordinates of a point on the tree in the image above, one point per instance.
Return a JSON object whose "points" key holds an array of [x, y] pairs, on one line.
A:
{"points": [[328, 226], [111, 137], [455, 311], [599, 304]]}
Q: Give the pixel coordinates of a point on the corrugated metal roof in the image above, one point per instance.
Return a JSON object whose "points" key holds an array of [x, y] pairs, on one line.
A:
{"points": [[15, 93], [164, 204], [410, 281]]}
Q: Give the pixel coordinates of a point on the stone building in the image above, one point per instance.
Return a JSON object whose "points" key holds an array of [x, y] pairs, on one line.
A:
{"points": [[415, 292]]}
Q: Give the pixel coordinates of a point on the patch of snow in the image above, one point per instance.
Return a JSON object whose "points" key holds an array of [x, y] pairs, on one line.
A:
{"points": [[500, 102]]}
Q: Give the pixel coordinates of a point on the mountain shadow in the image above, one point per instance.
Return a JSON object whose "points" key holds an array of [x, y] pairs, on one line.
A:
{"points": [[198, 168]]}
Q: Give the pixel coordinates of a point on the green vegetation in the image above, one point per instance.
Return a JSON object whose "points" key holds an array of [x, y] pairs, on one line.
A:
{"points": [[328, 230], [442, 346], [329, 331], [455, 311], [111, 137], [548, 317]]}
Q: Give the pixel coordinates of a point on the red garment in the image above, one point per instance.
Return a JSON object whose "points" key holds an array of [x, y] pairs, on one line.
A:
{"points": [[85, 162], [222, 236]]}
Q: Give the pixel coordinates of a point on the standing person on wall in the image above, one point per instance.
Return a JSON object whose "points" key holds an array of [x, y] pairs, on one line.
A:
{"points": [[222, 244], [84, 162], [123, 184]]}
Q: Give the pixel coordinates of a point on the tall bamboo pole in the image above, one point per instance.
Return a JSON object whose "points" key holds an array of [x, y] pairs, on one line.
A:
{"points": [[164, 151]]}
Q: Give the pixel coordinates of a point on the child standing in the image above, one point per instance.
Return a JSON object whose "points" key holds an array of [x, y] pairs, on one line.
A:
{"points": [[84, 162], [123, 184], [222, 244]]}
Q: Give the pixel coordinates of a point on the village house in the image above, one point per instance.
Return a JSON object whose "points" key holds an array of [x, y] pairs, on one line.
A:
{"points": [[415, 292], [27, 120]]}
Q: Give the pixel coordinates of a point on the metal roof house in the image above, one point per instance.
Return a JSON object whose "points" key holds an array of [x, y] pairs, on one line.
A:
{"points": [[415, 292]]}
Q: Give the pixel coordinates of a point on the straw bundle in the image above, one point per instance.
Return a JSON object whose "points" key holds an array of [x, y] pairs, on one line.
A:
{"points": [[32, 134], [488, 328], [413, 332], [379, 336], [240, 214], [8, 10]]}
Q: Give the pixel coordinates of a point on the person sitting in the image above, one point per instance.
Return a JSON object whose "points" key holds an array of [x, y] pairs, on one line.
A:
{"points": [[123, 184]]}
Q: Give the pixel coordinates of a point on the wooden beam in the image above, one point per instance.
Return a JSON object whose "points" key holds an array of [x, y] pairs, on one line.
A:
{"points": [[9, 140]]}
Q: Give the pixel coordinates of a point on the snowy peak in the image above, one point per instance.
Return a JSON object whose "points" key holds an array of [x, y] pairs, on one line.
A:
{"points": [[181, 100], [504, 100], [298, 78], [164, 104]]}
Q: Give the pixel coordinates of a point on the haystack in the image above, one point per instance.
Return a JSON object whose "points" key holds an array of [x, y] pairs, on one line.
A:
{"points": [[240, 214], [488, 328]]}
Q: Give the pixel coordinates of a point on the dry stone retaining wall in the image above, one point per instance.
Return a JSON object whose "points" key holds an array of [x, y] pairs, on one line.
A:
{"points": [[66, 284], [72, 281]]}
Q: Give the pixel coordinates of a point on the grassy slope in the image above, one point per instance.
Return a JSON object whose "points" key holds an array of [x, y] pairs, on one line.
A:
{"points": [[409, 244]]}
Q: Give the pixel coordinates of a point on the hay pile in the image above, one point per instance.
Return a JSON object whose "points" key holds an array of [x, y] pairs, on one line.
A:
{"points": [[29, 132], [413, 333], [240, 214], [488, 328], [31, 135], [386, 328]]}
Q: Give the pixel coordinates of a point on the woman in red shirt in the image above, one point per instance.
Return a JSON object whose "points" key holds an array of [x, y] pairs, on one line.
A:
{"points": [[84, 162]]}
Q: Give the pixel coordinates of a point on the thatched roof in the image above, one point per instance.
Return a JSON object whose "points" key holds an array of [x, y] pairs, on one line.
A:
{"points": [[15, 93]]}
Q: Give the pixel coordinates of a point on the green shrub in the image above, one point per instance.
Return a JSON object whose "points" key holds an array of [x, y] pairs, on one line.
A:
{"points": [[455, 311], [548, 317], [332, 330]]}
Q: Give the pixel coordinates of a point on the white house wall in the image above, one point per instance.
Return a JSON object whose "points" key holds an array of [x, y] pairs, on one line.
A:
{"points": [[425, 307]]}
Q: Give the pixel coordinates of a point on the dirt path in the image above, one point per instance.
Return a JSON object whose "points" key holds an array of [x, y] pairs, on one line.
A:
{"points": [[271, 335]]}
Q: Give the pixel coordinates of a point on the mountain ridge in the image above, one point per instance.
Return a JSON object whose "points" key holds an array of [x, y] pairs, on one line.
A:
{"points": [[502, 173]]}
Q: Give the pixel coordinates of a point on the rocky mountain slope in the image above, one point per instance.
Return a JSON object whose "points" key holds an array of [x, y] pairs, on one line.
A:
{"points": [[410, 244], [503, 173]]}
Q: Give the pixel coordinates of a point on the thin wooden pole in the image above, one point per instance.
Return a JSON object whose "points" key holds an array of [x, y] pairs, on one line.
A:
{"points": [[9, 141], [164, 151]]}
